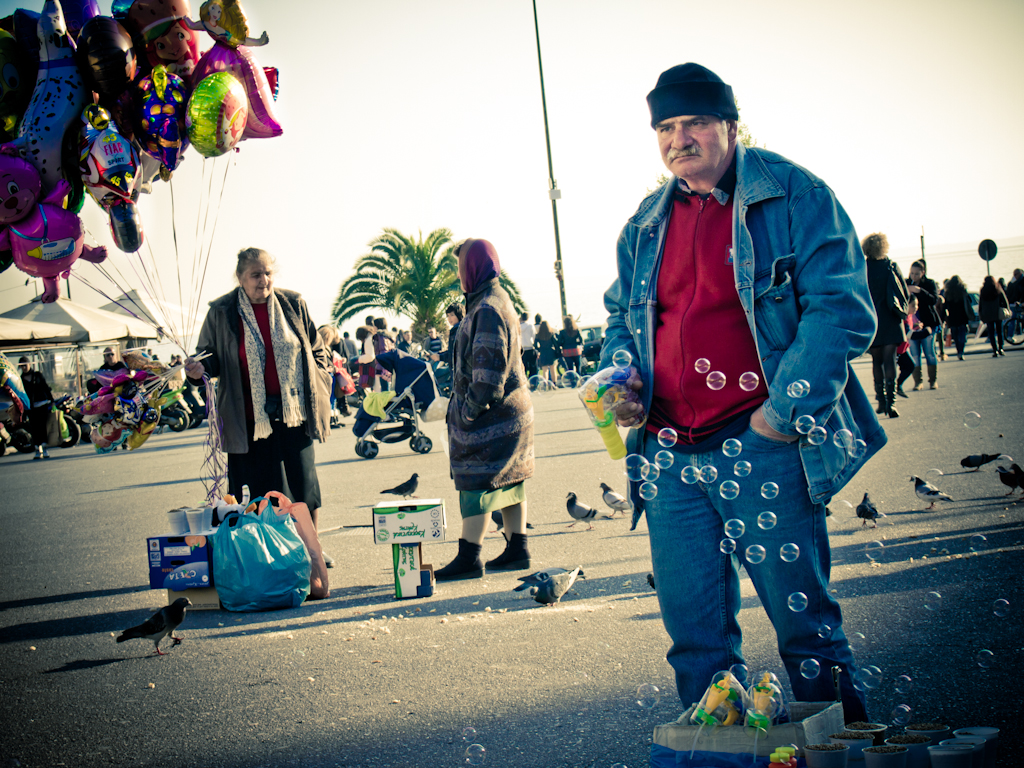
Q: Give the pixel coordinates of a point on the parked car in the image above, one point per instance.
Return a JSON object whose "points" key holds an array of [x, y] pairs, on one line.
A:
{"points": [[593, 341], [972, 325]]}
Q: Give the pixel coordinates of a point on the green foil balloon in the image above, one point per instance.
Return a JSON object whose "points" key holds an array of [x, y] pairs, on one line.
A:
{"points": [[216, 114]]}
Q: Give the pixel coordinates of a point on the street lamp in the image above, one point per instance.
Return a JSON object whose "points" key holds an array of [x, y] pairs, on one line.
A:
{"points": [[554, 193]]}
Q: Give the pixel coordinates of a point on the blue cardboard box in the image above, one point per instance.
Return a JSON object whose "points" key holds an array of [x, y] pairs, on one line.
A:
{"points": [[179, 562]]}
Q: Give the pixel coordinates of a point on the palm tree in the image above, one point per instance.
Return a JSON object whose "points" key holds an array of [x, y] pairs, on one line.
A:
{"points": [[416, 278]]}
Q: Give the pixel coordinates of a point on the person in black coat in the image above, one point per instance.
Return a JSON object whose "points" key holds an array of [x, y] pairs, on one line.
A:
{"points": [[40, 403], [885, 281], [959, 312]]}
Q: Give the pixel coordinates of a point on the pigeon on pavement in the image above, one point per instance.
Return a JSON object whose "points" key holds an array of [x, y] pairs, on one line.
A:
{"points": [[614, 500], [928, 492], [868, 511], [159, 625], [579, 511], [1012, 478], [650, 580], [550, 584], [977, 461], [499, 522], [406, 489]]}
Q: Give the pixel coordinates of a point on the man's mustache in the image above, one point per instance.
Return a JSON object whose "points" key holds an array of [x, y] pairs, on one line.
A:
{"points": [[691, 151]]}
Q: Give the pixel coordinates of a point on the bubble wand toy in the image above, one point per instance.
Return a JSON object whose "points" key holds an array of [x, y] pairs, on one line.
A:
{"points": [[603, 394]]}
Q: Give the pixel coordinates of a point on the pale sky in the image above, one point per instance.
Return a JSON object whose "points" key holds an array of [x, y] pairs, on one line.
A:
{"points": [[419, 114]]}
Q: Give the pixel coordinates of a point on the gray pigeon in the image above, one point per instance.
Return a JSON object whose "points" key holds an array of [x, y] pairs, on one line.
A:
{"points": [[928, 492], [499, 522], [616, 501], [406, 489], [977, 461], [579, 511], [159, 625], [868, 511], [548, 586]]}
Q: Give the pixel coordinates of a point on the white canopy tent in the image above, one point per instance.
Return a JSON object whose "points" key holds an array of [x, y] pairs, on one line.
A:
{"points": [[19, 332], [86, 323]]}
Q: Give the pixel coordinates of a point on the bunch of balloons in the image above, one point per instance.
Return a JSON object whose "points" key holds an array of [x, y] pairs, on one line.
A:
{"points": [[116, 102], [126, 408]]}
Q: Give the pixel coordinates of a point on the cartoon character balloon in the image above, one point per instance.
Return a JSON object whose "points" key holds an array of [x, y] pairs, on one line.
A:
{"points": [[216, 114], [57, 99], [162, 101], [159, 28], [110, 169], [225, 21], [47, 239]]}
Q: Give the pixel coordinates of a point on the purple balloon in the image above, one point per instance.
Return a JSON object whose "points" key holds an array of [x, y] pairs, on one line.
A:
{"points": [[261, 123]]}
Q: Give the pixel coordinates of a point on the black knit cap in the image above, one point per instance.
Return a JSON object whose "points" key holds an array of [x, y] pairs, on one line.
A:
{"points": [[690, 89]]}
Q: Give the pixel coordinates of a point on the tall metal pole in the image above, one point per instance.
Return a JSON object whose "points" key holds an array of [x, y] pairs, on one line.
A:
{"points": [[553, 191], [922, 242]]}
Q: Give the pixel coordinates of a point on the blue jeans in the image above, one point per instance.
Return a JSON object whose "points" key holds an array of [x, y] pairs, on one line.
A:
{"points": [[925, 345], [699, 587], [959, 334]]}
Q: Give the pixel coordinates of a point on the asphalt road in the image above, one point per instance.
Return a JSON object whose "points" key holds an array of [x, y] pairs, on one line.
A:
{"points": [[361, 679]]}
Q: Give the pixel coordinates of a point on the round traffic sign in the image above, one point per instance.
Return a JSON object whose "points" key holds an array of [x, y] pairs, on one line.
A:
{"points": [[987, 250]]}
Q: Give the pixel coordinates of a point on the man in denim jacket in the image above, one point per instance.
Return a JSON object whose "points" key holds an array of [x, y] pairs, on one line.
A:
{"points": [[742, 298]]}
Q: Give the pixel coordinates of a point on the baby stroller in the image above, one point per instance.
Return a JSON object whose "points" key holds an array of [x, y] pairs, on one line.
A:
{"points": [[399, 420]]}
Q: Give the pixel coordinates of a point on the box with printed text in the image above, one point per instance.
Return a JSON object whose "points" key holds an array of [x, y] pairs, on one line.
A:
{"points": [[179, 562], [417, 521]]}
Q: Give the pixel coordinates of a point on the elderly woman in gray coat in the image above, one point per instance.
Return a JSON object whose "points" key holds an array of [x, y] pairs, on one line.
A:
{"points": [[490, 417], [274, 376]]}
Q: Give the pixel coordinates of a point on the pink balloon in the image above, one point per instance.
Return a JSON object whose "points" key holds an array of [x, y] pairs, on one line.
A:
{"points": [[261, 123]]}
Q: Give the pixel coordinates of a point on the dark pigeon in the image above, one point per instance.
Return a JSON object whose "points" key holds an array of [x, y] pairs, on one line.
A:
{"points": [[159, 625], [406, 489], [1012, 478], [977, 461], [866, 510], [548, 586]]}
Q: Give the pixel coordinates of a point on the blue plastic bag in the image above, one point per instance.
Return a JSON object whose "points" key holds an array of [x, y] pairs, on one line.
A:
{"points": [[259, 562]]}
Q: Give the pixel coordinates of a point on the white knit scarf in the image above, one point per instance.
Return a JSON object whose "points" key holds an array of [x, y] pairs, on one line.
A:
{"points": [[288, 358]]}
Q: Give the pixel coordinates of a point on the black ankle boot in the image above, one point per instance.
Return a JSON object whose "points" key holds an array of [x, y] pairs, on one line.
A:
{"points": [[466, 565], [879, 396], [890, 398], [515, 557]]}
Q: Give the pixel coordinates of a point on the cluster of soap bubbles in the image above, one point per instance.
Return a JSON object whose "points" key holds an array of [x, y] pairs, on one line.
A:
{"points": [[716, 380], [475, 753], [869, 678], [541, 385]]}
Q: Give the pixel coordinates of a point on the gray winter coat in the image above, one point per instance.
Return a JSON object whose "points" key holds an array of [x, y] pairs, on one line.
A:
{"points": [[220, 336], [490, 414]]}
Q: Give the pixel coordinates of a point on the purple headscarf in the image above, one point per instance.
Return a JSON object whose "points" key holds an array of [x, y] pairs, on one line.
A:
{"points": [[478, 263]]}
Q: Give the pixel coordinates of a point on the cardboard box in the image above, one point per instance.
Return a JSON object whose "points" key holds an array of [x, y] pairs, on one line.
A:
{"points": [[179, 562], [413, 577], [811, 723], [416, 521], [204, 599]]}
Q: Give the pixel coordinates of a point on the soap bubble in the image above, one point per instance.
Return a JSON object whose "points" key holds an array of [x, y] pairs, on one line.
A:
{"points": [[729, 490], [619, 765], [1001, 607], [934, 476], [622, 359], [475, 754], [904, 684], [703, 365], [635, 464], [650, 472], [858, 449], [667, 437], [789, 552], [798, 389], [734, 528], [797, 602], [648, 695], [766, 521], [843, 438], [769, 490], [469, 734], [741, 468], [824, 631], [900, 714], [749, 381], [857, 640], [716, 380], [873, 550], [978, 542], [664, 459], [804, 424], [817, 436], [570, 380], [871, 677], [985, 658], [933, 601], [690, 474], [755, 554], [740, 672], [972, 419], [732, 447], [727, 546], [810, 668], [534, 383], [708, 474], [648, 491]]}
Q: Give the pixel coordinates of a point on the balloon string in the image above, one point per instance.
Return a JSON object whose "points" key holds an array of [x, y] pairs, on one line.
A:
{"points": [[214, 471], [177, 263]]}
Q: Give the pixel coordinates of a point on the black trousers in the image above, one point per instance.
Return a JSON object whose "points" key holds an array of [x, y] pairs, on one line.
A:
{"points": [[284, 462]]}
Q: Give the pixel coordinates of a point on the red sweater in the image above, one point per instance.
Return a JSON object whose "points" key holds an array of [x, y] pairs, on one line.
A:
{"points": [[700, 316], [270, 381]]}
